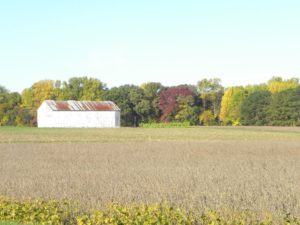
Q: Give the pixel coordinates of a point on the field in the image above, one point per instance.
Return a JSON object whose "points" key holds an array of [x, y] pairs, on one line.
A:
{"points": [[255, 168]]}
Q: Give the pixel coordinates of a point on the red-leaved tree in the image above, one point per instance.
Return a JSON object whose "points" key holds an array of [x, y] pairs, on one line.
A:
{"points": [[168, 101]]}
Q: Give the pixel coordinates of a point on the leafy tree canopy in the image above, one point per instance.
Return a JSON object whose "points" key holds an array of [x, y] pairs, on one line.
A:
{"points": [[277, 84], [284, 108], [254, 109], [3, 89], [231, 105], [168, 101], [81, 88]]}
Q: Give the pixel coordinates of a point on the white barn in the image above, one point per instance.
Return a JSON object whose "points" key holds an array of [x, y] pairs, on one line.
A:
{"points": [[77, 114]]}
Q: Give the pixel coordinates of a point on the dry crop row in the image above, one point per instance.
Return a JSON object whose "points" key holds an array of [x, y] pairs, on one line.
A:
{"points": [[256, 175]]}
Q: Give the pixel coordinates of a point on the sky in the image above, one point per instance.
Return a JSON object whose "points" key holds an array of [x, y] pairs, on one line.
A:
{"points": [[132, 42]]}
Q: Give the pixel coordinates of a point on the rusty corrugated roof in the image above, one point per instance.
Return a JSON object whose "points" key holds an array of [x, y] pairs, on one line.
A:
{"points": [[72, 105]]}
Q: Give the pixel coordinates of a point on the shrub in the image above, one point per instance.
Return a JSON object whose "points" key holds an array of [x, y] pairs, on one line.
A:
{"points": [[166, 125], [35, 212], [207, 118], [14, 212], [138, 214]]}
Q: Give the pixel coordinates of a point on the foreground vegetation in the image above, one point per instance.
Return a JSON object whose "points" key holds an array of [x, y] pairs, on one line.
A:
{"points": [[52, 212], [10, 223]]}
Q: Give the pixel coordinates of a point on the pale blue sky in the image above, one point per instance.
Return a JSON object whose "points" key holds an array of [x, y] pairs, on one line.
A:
{"points": [[167, 41]]}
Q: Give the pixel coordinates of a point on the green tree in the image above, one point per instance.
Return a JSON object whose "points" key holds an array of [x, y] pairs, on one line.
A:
{"points": [[284, 108], [93, 90], [27, 113], [254, 110], [24, 117], [3, 89], [129, 99], [141, 106], [9, 106], [72, 90], [57, 91], [143, 109], [151, 101], [27, 98], [211, 92], [82, 88], [187, 111], [208, 88]]}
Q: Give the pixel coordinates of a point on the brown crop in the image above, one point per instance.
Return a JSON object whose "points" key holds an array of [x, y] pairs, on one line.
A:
{"points": [[255, 168]]}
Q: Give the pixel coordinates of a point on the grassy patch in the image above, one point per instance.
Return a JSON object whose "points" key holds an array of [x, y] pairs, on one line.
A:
{"points": [[48, 135], [10, 223]]}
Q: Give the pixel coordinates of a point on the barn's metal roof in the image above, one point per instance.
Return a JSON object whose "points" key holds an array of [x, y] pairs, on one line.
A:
{"points": [[72, 105]]}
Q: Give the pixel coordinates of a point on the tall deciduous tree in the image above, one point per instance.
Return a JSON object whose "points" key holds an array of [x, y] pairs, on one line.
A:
{"points": [[151, 91], [27, 113], [284, 108], [27, 98], [3, 89], [187, 110], [277, 84], [93, 90], [207, 118], [24, 117], [82, 88], [34, 96], [129, 99], [211, 92], [42, 90], [168, 101], [231, 105], [9, 106], [254, 110]]}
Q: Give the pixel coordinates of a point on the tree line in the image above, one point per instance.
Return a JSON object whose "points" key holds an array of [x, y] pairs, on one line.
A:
{"points": [[275, 103]]}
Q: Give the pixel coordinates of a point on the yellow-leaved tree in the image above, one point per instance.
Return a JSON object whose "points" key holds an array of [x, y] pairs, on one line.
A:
{"points": [[277, 84], [42, 90], [231, 105], [32, 98]]}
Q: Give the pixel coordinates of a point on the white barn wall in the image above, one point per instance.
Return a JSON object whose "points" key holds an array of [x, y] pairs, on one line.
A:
{"points": [[77, 119], [118, 118]]}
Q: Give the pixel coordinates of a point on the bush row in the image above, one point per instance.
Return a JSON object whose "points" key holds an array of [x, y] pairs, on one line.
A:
{"points": [[53, 212], [166, 125]]}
